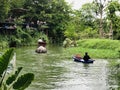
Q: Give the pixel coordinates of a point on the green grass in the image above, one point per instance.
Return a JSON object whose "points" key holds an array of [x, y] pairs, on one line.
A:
{"points": [[94, 53], [100, 44], [96, 48]]}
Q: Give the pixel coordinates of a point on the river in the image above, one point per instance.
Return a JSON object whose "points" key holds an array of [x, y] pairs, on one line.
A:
{"points": [[55, 73]]}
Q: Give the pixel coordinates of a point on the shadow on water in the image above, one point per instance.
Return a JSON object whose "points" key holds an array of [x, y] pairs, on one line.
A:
{"points": [[53, 73]]}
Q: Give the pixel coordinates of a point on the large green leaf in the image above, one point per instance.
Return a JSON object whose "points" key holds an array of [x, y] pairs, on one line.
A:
{"points": [[13, 77], [5, 59], [24, 81]]}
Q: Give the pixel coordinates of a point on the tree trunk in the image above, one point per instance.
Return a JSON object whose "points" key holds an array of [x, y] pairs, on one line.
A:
{"points": [[111, 31], [101, 26]]}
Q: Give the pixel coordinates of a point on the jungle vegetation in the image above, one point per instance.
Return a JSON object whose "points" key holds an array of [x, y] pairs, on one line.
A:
{"points": [[57, 20]]}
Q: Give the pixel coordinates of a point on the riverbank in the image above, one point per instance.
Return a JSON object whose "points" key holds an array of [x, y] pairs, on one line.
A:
{"points": [[97, 48]]}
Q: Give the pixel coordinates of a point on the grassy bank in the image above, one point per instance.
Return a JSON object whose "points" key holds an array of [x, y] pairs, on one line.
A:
{"points": [[97, 48], [100, 44]]}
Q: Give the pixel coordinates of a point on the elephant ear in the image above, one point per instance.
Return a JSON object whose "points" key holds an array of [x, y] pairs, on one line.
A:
{"points": [[5, 59], [24, 81]]}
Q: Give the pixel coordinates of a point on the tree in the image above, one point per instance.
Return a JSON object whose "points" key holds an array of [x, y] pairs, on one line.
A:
{"points": [[54, 12], [88, 17], [17, 4], [114, 7], [100, 11], [70, 31], [4, 9], [83, 21], [60, 15]]}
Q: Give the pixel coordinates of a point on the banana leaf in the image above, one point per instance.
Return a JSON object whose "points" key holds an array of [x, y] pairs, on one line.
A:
{"points": [[4, 60], [12, 78], [24, 81]]}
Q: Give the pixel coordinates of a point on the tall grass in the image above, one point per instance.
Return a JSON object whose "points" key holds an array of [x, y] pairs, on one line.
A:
{"points": [[100, 44], [96, 48], [94, 53]]}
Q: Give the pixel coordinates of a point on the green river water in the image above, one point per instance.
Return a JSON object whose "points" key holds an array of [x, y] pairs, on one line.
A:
{"points": [[55, 72]]}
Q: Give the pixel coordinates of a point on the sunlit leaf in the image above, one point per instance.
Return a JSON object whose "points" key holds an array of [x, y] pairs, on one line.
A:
{"points": [[4, 60]]}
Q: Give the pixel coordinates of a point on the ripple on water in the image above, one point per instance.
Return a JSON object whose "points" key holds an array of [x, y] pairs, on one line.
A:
{"points": [[84, 76], [53, 73]]}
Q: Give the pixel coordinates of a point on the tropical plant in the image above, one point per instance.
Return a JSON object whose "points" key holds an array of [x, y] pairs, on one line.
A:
{"points": [[12, 81]]}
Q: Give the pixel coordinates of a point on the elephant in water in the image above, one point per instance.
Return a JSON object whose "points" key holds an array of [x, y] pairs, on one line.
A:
{"points": [[41, 49]]}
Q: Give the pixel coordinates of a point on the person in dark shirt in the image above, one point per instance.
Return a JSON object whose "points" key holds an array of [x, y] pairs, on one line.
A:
{"points": [[86, 57]]}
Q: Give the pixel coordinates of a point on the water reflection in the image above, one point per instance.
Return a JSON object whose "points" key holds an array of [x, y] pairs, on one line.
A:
{"points": [[54, 73], [114, 77], [86, 66], [84, 77]]}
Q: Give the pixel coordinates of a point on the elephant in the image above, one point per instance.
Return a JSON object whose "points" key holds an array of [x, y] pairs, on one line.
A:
{"points": [[41, 49]]}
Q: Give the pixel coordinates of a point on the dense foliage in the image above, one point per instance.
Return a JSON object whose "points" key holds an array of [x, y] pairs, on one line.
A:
{"points": [[96, 20], [57, 20], [114, 18]]}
